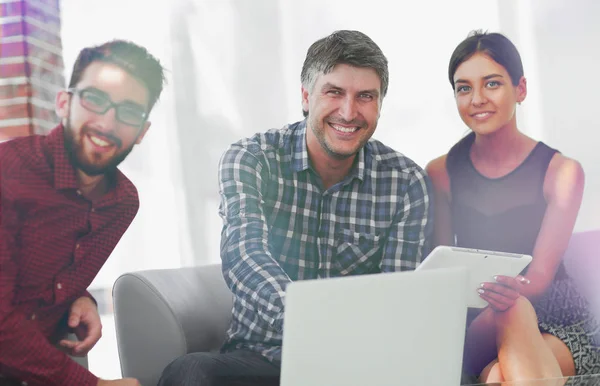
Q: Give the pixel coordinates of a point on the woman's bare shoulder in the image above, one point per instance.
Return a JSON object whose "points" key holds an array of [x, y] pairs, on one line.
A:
{"points": [[436, 169]]}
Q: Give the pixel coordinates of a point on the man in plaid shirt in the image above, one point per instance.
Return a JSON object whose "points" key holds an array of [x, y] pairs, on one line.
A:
{"points": [[316, 199]]}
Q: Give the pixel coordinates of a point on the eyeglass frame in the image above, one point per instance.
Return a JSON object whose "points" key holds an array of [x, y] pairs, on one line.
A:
{"points": [[111, 104]]}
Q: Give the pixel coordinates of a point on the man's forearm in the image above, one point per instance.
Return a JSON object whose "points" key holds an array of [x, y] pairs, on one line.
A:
{"points": [[260, 281], [28, 356], [250, 270]]}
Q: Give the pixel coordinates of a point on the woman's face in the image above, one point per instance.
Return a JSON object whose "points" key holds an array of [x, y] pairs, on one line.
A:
{"points": [[485, 96]]}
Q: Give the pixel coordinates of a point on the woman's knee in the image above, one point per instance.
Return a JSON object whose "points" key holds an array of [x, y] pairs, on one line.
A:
{"points": [[562, 353], [492, 373], [521, 313]]}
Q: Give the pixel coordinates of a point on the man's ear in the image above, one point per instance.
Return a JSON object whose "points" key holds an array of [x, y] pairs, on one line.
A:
{"points": [[62, 104], [305, 96], [143, 132]]}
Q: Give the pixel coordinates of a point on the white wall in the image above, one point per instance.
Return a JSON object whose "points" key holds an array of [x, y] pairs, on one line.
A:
{"points": [[568, 46], [558, 42]]}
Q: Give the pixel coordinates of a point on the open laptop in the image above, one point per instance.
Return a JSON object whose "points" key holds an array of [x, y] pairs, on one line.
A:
{"points": [[404, 328]]}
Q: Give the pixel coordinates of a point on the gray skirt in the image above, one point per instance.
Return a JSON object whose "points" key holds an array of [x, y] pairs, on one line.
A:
{"points": [[563, 312]]}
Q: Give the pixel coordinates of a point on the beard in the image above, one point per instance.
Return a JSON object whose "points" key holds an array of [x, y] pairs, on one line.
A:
{"points": [[318, 127], [79, 159]]}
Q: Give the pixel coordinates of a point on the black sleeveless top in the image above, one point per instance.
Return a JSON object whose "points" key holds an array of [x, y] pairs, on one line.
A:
{"points": [[499, 214]]}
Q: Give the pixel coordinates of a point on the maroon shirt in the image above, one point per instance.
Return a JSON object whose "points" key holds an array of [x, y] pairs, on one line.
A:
{"points": [[53, 242]]}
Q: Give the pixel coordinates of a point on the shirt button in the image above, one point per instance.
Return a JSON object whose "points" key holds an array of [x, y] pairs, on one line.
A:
{"points": [[93, 210], [77, 246], [59, 286], [79, 192], [33, 316]]}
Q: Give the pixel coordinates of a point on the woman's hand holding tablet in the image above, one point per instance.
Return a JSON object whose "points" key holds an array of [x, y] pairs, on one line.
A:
{"points": [[497, 271]]}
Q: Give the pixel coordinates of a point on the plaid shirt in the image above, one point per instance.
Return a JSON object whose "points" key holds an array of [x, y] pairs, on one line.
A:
{"points": [[280, 225], [53, 242]]}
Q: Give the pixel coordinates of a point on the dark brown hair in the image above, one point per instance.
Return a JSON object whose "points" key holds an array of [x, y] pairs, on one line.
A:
{"points": [[496, 46], [131, 57]]}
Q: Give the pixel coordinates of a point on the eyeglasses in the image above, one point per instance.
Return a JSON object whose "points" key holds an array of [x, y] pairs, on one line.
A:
{"points": [[98, 102]]}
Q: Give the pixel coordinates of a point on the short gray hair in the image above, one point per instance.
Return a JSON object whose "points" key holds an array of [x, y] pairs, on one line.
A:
{"points": [[344, 47]]}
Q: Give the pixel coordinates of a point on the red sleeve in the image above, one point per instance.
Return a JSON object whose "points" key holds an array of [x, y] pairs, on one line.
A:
{"points": [[89, 295]]}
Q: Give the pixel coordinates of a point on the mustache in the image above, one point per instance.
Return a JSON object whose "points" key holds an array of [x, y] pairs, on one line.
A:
{"points": [[108, 136], [340, 121]]}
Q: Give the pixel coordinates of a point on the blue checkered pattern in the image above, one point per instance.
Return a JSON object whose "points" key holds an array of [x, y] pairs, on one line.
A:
{"points": [[280, 225]]}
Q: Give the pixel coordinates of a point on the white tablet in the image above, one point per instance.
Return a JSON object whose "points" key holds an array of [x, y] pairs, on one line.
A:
{"points": [[482, 266]]}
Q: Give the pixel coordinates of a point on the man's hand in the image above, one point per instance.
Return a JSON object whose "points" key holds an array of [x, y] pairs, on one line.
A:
{"points": [[119, 382], [85, 322], [502, 294]]}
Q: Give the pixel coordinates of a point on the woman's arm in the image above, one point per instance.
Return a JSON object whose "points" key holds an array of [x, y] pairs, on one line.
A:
{"points": [[442, 229], [563, 190]]}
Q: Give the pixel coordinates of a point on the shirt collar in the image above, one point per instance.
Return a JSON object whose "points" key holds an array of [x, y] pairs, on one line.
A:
{"points": [[301, 162], [359, 170], [64, 172]]}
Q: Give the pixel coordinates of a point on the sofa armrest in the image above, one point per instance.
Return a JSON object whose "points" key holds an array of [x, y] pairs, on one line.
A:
{"points": [[163, 314]]}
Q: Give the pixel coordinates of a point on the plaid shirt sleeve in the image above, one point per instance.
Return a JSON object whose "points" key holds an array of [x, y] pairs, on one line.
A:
{"points": [[255, 278], [25, 353], [411, 234]]}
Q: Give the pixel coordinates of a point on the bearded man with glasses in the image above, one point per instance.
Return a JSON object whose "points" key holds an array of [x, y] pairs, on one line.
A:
{"points": [[64, 206]]}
